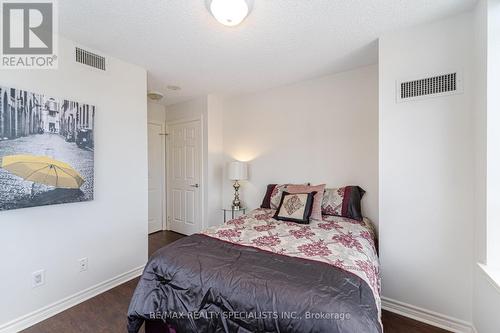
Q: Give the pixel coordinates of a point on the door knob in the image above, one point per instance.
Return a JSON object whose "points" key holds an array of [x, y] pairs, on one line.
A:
{"points": [[195, 185]]}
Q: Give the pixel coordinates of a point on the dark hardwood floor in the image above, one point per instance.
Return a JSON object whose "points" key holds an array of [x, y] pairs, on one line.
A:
{"points": [[106, 313], [160, 239]]}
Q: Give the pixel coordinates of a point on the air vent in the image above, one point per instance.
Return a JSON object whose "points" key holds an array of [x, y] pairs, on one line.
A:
{"points": [[433, 86], [90, 59]]}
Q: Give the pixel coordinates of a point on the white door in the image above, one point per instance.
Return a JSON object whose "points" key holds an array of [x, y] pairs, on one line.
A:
{"points": [[156, 180], [185, 177]]}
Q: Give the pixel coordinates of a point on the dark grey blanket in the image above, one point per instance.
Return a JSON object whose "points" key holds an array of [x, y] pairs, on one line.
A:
{"points": [[202, 284]]}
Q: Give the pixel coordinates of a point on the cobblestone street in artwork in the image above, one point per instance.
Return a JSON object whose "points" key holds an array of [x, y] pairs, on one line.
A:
{"points": [[17, 193]]}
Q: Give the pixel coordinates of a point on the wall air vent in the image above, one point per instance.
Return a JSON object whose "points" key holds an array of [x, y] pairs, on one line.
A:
{"points": [[432, 86], [90, 59]]}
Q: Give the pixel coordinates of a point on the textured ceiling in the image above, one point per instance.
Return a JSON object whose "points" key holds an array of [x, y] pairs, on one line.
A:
{"points": [[281, 41]]}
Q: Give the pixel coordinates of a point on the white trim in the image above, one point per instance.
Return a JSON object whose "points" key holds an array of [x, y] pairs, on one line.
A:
{"points": [[184, 120], [50, 310], [166, 156], [168, 182], [164, 222], [427, 316], [493, 275], [204, 192]]}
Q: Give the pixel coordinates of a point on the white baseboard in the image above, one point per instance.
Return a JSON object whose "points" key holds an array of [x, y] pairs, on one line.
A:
{"points": [[50, 310], [407, 310], [427, 316]]}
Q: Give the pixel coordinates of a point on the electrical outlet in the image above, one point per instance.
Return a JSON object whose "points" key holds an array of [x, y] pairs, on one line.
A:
{"points": [[38, 278], [84, 264]]}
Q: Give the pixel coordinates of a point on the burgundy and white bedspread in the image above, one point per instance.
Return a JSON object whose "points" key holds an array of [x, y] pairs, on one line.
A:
{"points": [[344, 243]]}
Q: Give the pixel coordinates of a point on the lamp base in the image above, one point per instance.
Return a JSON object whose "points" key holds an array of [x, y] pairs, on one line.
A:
{"points": [[236, 201]]}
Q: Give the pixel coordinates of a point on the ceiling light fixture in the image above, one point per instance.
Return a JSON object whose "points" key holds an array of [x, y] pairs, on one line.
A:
{"points": [[229, 12], [155, 95]]}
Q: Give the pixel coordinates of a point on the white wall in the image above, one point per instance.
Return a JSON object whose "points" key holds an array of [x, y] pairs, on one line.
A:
{"points": [[215, 159], [156, 112], [427, 171], [195, 108], [320, 131], [486, 303], [480, 106], [487, 36], [493, 133], [111, 230]]}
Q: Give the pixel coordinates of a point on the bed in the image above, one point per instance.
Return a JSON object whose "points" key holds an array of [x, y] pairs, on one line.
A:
{"points": [[258, 274]]}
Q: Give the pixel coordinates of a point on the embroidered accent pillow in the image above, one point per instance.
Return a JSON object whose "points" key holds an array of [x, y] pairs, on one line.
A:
{"points": [[318, 198], [344, 201], [276, 195], [295, 207]]}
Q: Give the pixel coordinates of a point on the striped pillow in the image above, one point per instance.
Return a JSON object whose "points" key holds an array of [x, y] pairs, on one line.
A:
{"points": [[343, 201]]}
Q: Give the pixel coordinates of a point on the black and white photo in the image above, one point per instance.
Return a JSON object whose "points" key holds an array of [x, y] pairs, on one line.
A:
{"points": [[46, 150]]}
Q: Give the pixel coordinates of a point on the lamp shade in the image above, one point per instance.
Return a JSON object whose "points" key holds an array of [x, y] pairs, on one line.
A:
{"points": [[237, 170]]}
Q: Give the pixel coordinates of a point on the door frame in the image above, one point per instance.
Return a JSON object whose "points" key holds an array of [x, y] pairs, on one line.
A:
{"points": [[163, 167], [202, 167]]}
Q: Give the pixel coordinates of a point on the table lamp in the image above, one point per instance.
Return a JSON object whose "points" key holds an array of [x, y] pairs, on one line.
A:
{"points": [[237, 171]]}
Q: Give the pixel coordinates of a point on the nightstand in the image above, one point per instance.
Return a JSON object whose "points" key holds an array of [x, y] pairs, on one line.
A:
{"points": [[233, 212]]}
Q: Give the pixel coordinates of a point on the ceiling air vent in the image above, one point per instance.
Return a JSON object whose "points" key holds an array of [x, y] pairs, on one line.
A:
{"points": [[433, 86], [90, 59]]}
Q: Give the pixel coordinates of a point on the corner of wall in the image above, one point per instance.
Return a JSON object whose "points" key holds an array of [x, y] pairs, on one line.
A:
{"points": [[55, 237]]}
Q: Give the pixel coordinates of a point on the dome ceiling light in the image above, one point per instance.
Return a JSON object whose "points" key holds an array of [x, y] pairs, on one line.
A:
{"points": [[155, 95], [229, 12]]}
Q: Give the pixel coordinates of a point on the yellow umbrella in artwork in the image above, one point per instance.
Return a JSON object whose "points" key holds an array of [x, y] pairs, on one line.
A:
{"points": [[43, 170]]}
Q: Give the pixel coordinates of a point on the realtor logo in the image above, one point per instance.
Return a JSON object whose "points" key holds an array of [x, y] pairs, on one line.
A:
{"points": [[28, 34]]}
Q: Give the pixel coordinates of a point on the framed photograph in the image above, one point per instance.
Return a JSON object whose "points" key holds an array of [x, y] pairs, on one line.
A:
{"points": [[46, 150]]}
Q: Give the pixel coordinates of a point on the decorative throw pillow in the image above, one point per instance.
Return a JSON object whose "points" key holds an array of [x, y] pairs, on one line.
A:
{"points": [[318, 198], [266, 202], [295, 207], [276, 194], [344, 201]]}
